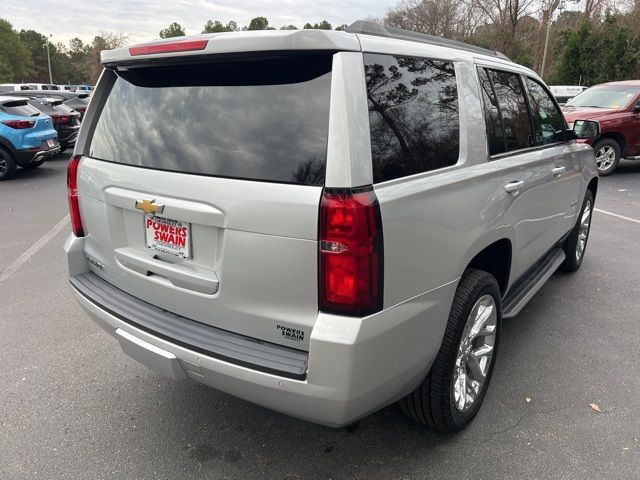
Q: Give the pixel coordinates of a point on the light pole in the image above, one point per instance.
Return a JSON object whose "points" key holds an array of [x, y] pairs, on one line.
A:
{"points": [[546, 38], [49, 61]]}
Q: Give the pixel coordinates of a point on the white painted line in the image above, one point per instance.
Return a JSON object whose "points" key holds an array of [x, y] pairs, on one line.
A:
{"points": [[33, 249], [617, 216]]}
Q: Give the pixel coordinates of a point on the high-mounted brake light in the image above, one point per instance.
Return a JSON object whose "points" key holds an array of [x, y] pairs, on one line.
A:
{"points": [[72, 194], [351, 256], [19, 124], [168, 47]]}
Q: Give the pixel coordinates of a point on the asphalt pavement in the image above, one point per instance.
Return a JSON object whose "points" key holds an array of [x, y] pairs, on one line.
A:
{"points": [[73, 406]]}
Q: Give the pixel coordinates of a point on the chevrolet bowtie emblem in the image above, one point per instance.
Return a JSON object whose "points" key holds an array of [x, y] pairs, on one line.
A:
{"points": [[148, 206]]}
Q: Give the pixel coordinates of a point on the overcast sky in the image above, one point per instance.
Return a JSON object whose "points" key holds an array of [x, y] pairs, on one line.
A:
{"points": [[143, 19]]}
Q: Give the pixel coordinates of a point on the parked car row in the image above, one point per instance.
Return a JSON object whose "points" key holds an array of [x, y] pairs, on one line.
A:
{"points": [[76, 101], [36, 125], [27, 136], [16, 87]]}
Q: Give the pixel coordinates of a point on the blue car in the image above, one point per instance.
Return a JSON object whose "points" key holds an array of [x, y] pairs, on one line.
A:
{"points": [[27, 137]]}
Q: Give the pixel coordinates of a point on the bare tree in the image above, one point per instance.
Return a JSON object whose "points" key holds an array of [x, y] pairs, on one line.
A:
{"points": [[593, 9], [504, 18], [104, 41], [456, 20]]}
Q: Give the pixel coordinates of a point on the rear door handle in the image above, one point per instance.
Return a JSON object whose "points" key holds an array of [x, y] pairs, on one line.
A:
{"points": [[514, 187], [558, 171]]}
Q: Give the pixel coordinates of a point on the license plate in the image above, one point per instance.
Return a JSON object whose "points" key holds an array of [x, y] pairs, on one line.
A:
{"points": [[51, 143], [168, 236]]}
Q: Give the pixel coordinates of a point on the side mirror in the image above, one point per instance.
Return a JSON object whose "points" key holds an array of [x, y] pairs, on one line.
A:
{"points": [[636, 109], [586, 129]]}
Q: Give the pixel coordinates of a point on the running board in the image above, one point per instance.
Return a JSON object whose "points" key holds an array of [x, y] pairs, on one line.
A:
{"points": [[525, 288]]}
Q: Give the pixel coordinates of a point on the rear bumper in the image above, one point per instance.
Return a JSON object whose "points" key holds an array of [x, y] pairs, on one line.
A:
{"points": [[30, 155], [354, 366]]}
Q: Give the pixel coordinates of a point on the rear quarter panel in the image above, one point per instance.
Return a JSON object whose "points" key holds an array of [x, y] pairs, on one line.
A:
{"points": [[436, 222]]}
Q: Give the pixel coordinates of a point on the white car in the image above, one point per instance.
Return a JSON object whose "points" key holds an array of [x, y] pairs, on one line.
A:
{"points": [[564, 93]]}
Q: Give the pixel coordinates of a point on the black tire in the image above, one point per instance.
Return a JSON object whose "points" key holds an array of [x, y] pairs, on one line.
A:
{"points": [[573, 261], [617, 151], [32, 165], [7, 165], [433, 402]]}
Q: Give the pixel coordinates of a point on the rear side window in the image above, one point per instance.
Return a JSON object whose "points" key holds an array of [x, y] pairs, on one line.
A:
{"points": [[413, 115], [20, 108], [258, 118], [516, 121], [548, 122], [492, 119]]}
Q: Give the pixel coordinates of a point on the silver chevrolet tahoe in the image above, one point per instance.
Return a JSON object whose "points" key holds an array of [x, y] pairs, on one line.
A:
{"points": [[322, 222]]}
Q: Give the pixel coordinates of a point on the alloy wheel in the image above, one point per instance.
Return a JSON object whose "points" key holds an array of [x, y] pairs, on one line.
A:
{"points": [[475, 352], [3, 166], [605, 157], [583, 232]]}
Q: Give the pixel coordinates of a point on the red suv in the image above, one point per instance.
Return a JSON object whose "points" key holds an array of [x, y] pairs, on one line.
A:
{"points": [[613, 111]]}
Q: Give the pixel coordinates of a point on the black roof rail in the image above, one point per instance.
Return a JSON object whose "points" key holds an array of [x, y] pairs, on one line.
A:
{"points": [[379, 30]]}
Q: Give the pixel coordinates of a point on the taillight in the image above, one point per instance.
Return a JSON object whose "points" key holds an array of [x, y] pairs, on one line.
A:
{"points": [[185, 45], [351, 252], [19, 124], [61, 118], [72, 194]]}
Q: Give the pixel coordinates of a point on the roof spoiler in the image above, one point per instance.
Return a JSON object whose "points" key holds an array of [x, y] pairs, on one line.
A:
{"points": [[379, 30]]}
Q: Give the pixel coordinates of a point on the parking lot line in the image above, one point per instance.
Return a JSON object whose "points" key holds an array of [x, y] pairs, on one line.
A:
{"points": [[617, 215], [33, 249]]}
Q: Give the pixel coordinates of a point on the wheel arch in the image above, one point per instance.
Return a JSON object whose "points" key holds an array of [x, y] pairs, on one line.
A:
{"points": [[8, 147], [494, 257], [593, 186], [618, 137]]}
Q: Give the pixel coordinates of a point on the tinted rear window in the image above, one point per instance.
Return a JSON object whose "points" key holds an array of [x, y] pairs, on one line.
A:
{"points": [[20, 108], [259, 119], [43, 107], [516, 121], [413, 115]]}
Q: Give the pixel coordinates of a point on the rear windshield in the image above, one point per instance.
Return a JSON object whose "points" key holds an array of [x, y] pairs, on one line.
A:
{"points": [[259, 118], [43, 107], [20, 108]]}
